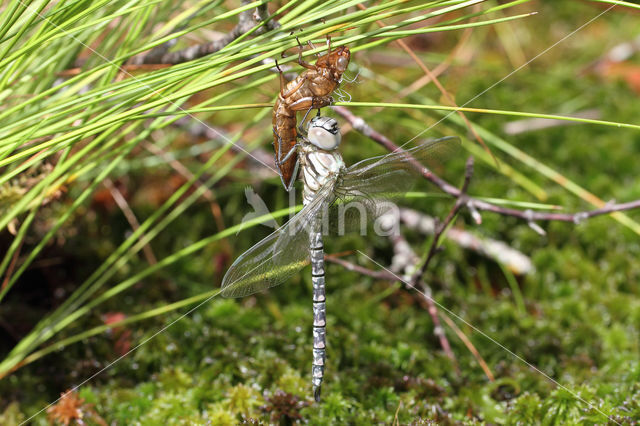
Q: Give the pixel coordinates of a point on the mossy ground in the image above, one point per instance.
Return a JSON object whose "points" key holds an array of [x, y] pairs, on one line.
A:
{"points": [[249, 359]]}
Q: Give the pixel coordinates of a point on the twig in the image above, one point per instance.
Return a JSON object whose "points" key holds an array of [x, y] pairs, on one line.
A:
{"points": [[247, 21], [379, 275], [438, 330], [531, 216], [474, 204], [440, 228], [361, 126], [131, 217], [499, 251], [392, 277], [469, 346], [432, 309]]}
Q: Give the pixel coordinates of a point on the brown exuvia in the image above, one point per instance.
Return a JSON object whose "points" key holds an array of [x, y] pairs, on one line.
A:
{"points": [[310, 90]]}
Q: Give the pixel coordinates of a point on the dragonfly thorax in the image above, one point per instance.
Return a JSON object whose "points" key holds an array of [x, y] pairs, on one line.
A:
{"points": [[324, 133], [319, 168]]}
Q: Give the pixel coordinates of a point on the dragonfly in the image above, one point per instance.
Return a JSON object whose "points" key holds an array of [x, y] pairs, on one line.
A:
{"points": [[328, 185]]}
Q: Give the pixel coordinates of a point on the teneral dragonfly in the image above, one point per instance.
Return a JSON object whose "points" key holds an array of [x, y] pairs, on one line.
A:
{"points": [[326, 179]]}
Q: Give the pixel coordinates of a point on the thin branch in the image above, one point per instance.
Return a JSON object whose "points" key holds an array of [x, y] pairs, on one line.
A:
{"points": [[388, 276], [359, 124], [379, 275], [247, 21], [131, 217], [469, 345], [438, 330], [499, 251], [441, 227], [474, 204]]}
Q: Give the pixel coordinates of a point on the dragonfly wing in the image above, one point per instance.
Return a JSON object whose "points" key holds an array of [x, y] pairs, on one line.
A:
{"points": [[366, 187], [395, 173], [278, 256]]}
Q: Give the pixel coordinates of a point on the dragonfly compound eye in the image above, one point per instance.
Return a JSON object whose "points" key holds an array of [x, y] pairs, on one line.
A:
{"points": [[342, 64], [324, 133]]}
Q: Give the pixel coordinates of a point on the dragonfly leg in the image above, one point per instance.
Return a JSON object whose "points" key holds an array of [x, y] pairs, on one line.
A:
{"points": [[289, 185], [294, 175], [301, 129], [300, 60], [312, 102], [283, 82], [281, 161], [299, 82], [291, 152]]}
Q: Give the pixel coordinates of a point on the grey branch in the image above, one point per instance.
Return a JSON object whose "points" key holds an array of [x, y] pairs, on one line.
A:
{"points": [[498, 251], [247, 20], [474, 204]]}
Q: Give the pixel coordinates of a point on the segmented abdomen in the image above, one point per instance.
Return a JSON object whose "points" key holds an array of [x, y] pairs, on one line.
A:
{"points": [[284, 134]]}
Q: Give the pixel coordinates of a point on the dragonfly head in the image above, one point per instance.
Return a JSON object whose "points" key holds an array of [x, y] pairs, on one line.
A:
{"points": [[324, 133], [336, 62]]}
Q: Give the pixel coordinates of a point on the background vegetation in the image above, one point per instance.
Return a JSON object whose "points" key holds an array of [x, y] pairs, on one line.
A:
{"points": [[119, 213]]}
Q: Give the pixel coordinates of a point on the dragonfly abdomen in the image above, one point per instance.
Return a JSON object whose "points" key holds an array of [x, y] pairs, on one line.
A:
{"points": [[316, 249], [320, 169]]}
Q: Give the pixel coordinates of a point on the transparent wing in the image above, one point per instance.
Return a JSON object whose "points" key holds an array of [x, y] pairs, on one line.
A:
{"points": [[366, 188], [277, 257], [368, 183], [395, 173]]}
